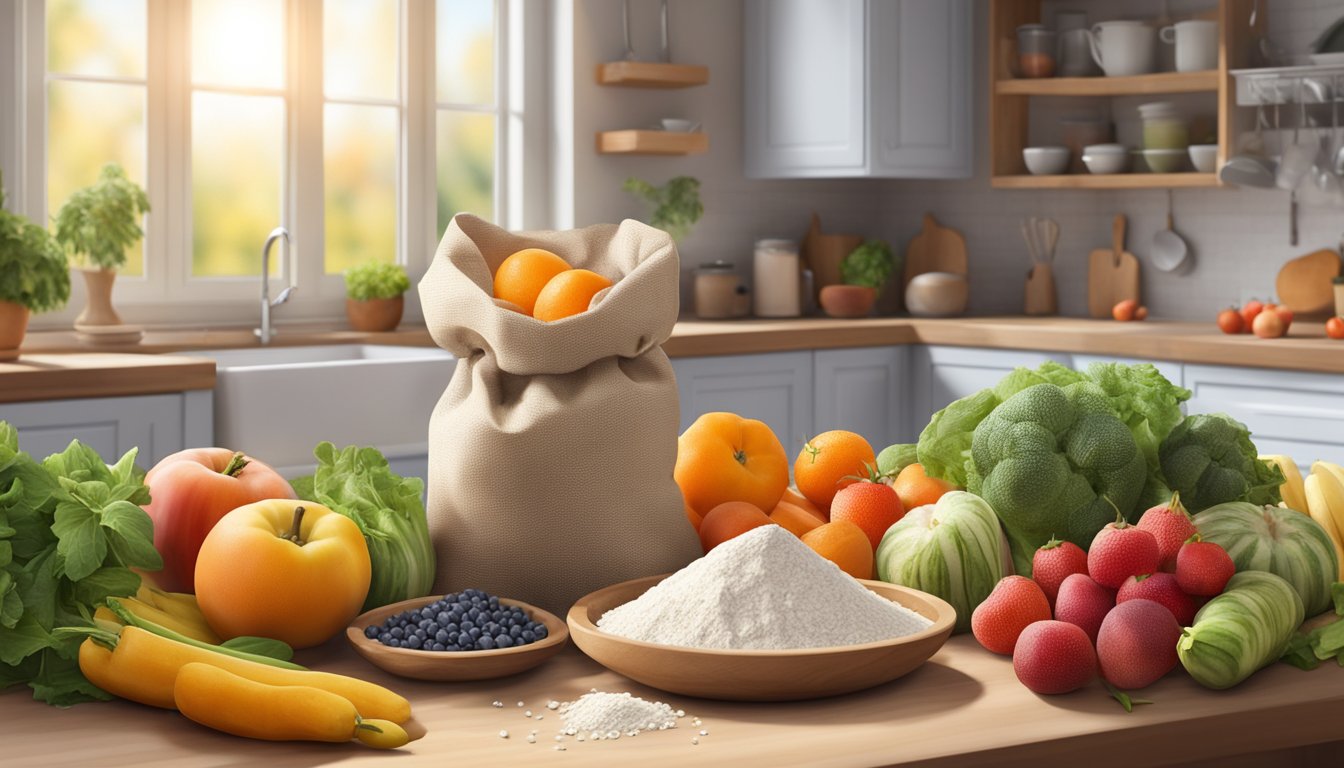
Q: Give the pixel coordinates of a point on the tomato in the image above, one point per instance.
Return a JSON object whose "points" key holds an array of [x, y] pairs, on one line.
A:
{"points": [[1334, 327], [1286, 315], [1124, 311], [1231, 321], [190, 491], [1141, 313], [289, 570], [1249, 310], [1268, 325]]}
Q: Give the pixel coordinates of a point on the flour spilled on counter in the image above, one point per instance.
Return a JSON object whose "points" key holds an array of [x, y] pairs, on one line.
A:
{"points": [[762, 590], [602, 716]]}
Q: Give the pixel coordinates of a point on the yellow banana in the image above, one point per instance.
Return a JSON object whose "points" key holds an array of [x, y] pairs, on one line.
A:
{"points": [[197, 630], [1293, 495], [1321, 489], [178, 604]]}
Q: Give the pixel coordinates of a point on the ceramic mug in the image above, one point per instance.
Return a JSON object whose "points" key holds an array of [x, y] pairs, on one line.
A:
{"points": [[1123, 47], [1196, 44]]}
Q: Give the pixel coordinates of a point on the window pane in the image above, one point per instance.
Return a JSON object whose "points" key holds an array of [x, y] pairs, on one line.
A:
{"points": [[360, 174], [238, 43], [466, 167], [360, 48], [237, 158], [96, 37], [465, 46], [79, 146]]}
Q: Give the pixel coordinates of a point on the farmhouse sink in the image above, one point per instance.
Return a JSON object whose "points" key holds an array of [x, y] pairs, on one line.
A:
{"points": [[277, 403]]}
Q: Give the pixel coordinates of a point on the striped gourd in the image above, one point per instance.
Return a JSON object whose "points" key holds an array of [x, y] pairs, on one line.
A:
{"points": [[1245, 628], [954, 549], [1279, 540]]}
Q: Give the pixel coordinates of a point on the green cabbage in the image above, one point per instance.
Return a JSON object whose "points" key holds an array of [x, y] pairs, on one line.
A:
{"points": [[357, 482], [1210, 459]]}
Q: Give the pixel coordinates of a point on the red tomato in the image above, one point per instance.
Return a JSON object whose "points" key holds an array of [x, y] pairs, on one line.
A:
{"points": [[1124, 311], [1334, 327], [190, 491], [1231, 321], [1268, 325], [1248, 312], [1286, 315]]}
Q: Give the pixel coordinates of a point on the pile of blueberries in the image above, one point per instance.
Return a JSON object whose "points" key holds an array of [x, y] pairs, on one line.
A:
{"points": [[471, 620]]}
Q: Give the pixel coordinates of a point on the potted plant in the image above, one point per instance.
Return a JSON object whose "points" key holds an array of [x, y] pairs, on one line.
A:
{"points": [[373, 295], [36, 276], [96, 226], [676, 204], [863, 272]]}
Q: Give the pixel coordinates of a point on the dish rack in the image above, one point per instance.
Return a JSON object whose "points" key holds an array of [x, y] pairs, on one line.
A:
{"points": [[1268, 86]]}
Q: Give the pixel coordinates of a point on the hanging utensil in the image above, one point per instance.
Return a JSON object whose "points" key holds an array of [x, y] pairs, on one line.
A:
{"points": [[625, 20], [1169, 249], [667, 48], [1028, 236], [1250, 167]]}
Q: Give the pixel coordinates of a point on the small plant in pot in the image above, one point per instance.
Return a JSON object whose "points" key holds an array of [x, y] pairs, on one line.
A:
{"points": [[96, 226], [36, 277], [676, 204], [373, 295], [864, 271]]}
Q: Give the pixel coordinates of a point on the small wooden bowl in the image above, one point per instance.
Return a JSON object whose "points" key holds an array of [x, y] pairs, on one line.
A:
{"points": [[847, 300], [456, 666], [759, 675]]}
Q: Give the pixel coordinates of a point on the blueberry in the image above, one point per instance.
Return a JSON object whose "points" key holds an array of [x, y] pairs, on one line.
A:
{"points": [[453, 647], [540, 631], [451, 627], [474, 614], [441, 636], [437, 647], [528, 636], [515, 631], [485, 643], [466, 626], [443, 617], [504, 641], [474, 633], [413, 642], [396, 633], [371, 631]]}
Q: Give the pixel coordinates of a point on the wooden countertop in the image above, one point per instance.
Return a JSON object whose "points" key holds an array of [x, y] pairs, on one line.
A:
{"points": [[101, 374], [963, 708]]}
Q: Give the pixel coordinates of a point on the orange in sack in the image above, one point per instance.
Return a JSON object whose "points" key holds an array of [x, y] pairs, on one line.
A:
{"points": [[844, 544], [520, 278], [917, 489], [794, 518], [568, 293], [829, 462], [724, 457], [730, 520]]}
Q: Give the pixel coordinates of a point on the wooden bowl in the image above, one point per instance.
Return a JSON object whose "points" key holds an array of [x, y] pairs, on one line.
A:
{"points": [[847, 300], [456, 665], [759, 675]]}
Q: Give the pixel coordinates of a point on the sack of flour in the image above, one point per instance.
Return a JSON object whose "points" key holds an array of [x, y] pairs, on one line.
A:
{"points": [[551, 452]]}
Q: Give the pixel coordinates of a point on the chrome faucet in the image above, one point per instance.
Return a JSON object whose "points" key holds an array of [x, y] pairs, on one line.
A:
{"points": [[264, 333]]}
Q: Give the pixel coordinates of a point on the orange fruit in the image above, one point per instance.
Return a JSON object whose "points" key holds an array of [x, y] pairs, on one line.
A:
{"points": [[724, 457], [694, 517], [844, 544], [794, 518], [829, 462], [797, 499], [567, 294], [871, 506], [917, 489], [728, 520], [521, 276]]}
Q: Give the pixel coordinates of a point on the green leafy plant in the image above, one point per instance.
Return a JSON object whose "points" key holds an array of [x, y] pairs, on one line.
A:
{"points": [[869, 265], [99, 222], [35, 273], [376, 280], [676, 204]]}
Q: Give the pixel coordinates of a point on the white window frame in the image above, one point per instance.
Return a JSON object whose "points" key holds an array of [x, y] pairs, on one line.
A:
{"points": [[167, 295]]}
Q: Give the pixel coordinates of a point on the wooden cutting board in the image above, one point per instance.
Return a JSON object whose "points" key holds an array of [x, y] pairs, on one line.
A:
{"points": [[1112, 273], [935, 249], [1304, 284]]}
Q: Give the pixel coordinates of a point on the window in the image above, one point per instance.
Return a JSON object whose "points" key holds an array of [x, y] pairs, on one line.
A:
{"points": [[362, 126]]}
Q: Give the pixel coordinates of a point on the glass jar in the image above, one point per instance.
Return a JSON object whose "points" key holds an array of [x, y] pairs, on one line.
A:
{"points": [[1035, 51], [718, 291], [775, 272]]}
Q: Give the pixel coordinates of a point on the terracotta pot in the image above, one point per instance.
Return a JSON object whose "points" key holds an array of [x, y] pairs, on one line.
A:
{"points": [[374, 315], [13, 326], [824, 252], [98, 309], [847, 300]]}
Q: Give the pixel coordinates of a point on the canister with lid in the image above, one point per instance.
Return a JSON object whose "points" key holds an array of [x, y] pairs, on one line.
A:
{"points": [[719, 292], [775, 271]]}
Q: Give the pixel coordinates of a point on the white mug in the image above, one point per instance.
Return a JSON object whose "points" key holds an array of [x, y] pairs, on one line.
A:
{"points": [[1123, 47], [1196, 44]]}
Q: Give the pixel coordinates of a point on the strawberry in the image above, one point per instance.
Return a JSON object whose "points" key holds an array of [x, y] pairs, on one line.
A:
{"points": [[1083, 603], [1137, 644], [1015, 603], [1162, 589], [1055, 561], [1203, 567], [1055, 657], [1170, 524], [1121, 550]]}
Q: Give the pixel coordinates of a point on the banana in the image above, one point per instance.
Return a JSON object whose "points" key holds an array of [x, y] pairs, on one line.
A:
{"points": [[1323, 494], [198, 630], [1293, 495], [178, 604]]}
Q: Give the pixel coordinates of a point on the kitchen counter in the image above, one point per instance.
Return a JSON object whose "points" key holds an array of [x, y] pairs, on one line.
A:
{"points": [[102, 374], [963, 708]]}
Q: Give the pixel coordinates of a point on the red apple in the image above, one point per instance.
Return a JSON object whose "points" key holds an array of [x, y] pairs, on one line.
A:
{"points": [[190, 491]]}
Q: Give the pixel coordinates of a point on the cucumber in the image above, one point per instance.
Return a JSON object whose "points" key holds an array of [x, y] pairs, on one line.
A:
{"points": [[1238, 632]]}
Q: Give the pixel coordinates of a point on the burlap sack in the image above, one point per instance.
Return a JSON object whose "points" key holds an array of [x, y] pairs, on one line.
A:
{"points": [[551, 452]]}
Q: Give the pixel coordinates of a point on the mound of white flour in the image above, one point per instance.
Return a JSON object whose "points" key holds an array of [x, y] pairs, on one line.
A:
{"points": [[763, 590]]}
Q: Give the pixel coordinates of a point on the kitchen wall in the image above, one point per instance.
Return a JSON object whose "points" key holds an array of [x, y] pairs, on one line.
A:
{"points": [[1239, 237]]}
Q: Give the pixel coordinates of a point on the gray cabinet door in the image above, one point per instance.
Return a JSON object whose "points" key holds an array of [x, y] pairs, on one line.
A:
{"points": [[775, 388], [863, 390], [157, 424]]}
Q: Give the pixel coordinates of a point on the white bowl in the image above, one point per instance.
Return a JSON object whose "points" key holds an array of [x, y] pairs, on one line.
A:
{"points": [[1046, 161], [1106, 158], [937, 294], [678, 125], [1164, 160], [1105, 149], [1204, 157]]}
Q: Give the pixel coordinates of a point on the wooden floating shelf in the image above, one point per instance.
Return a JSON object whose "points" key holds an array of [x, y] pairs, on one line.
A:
{"points": [[636, 142], [651, 74], [1107, 181], [1161, 82]]}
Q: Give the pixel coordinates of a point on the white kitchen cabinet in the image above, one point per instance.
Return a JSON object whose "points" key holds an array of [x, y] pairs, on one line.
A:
{"points": [[942, 374], [157, 424], [775, 388], [1289, 412], [863, 390], [842, 88]]}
